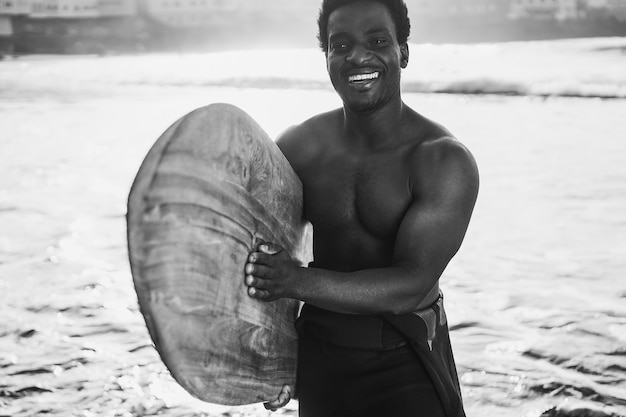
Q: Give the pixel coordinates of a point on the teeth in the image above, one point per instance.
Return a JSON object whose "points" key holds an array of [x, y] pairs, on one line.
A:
{"points": [[363, 77]]}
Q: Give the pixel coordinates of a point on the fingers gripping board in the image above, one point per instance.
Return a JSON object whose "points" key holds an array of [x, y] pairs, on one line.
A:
{"points": [[211, 186]]}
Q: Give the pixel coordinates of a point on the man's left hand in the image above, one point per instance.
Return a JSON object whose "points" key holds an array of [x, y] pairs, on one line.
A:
{"points": [[281, 401]]}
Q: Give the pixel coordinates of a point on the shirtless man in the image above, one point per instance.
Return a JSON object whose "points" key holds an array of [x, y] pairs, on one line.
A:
{"points": [[389, 194]]}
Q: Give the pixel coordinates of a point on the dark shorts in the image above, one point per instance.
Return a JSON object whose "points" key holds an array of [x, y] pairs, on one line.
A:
{"points": [[376, 366], [335, 381]]}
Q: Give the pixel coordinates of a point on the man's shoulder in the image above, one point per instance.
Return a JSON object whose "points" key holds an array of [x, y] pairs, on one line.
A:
{"points": [[316, 126], [442, 147], [432, 142], [303, 141], [440, 156]]}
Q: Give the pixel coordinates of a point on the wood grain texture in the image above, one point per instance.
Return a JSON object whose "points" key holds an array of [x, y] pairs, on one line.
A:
{"points": [[211, 186]]}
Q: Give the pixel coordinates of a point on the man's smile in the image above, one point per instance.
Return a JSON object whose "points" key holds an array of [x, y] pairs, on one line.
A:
{"points": [[363, 77]]}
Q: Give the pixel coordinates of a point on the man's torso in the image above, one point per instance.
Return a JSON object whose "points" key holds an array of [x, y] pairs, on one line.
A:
{"points": [[356, 197]]}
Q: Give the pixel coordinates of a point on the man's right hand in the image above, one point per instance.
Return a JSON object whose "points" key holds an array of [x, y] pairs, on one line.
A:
{"points": [[270, 273]]}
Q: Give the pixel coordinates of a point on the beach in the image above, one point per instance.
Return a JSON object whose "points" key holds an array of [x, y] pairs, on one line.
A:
{"points": [[535, 298]]}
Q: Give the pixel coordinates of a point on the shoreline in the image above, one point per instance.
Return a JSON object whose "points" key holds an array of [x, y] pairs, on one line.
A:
{"points": [[143, 33]]}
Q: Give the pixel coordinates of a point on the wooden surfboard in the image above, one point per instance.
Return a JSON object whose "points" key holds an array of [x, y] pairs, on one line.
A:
{"points": [[211, 186]]}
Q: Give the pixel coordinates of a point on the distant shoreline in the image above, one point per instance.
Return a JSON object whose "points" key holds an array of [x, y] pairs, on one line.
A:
{"points": [[105, 36]]}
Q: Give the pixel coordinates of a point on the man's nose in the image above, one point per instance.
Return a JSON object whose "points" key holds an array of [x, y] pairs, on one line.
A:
{"points": [[359, 55]]}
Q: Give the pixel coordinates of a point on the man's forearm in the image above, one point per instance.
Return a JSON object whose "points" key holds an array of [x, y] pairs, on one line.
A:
{"points": [[394, 290]]}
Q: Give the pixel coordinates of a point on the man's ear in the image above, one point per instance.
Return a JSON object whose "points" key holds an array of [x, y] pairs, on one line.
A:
{"points": [[404, 55]]}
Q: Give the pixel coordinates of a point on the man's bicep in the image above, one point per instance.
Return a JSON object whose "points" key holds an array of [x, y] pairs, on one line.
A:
{"points": [[429, 236], [434, 226]]}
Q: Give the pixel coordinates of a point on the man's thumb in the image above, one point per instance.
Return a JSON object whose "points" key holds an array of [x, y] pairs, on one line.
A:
{"points": [[270, 248]]}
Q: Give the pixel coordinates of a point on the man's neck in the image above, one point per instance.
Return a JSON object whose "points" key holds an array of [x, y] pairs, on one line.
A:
{"points": [[374, 130]]}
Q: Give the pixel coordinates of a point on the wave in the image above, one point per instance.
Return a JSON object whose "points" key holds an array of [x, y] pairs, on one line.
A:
{"points": [[589, 68], [478, 86]]}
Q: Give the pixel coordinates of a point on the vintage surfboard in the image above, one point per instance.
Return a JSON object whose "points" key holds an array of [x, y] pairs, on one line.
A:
{"points": [[211, 187]]}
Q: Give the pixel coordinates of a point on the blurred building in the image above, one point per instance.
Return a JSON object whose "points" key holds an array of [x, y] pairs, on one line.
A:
{"points": [[547, 9], [68, 8], [195, 13], [617, 8], [269, 7], [81, 26], [15, 7], [117, 7], [64, 8], [189, 13], [451, 8]]}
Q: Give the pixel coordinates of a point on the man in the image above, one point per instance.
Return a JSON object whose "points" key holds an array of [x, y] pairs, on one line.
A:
{"points": [[389, 194]]}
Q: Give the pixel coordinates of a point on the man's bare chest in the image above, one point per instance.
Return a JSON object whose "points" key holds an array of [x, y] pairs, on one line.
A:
{"points": [[347, 195]]}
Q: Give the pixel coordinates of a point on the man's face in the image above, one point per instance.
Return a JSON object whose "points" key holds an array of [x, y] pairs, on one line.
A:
{"points": [[364, 58]]}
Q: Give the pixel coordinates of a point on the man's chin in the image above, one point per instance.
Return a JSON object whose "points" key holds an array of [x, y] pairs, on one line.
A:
{"points": [[362, 106]]}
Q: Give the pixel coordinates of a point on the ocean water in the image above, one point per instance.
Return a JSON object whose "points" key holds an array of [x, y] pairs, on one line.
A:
{"points": [[536, 297]]}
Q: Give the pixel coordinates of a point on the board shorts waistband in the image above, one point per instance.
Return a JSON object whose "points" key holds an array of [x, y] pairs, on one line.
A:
{"points": [[349, 330]]}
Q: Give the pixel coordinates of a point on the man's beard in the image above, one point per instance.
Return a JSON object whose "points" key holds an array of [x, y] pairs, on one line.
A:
{"points": [[376, 102]]}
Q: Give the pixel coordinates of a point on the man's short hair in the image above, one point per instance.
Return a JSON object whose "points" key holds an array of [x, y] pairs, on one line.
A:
{"points": [[397, 8]]}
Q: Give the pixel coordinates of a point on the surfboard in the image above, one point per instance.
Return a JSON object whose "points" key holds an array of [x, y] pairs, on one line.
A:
{"points": [[209, 189]]}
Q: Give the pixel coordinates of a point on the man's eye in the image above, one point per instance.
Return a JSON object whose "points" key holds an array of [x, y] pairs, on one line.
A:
{"points": [[379, 42], [339, 46]]}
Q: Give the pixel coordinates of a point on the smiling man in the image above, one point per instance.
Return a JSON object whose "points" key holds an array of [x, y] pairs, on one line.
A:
{"points": [[390, 194]]}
